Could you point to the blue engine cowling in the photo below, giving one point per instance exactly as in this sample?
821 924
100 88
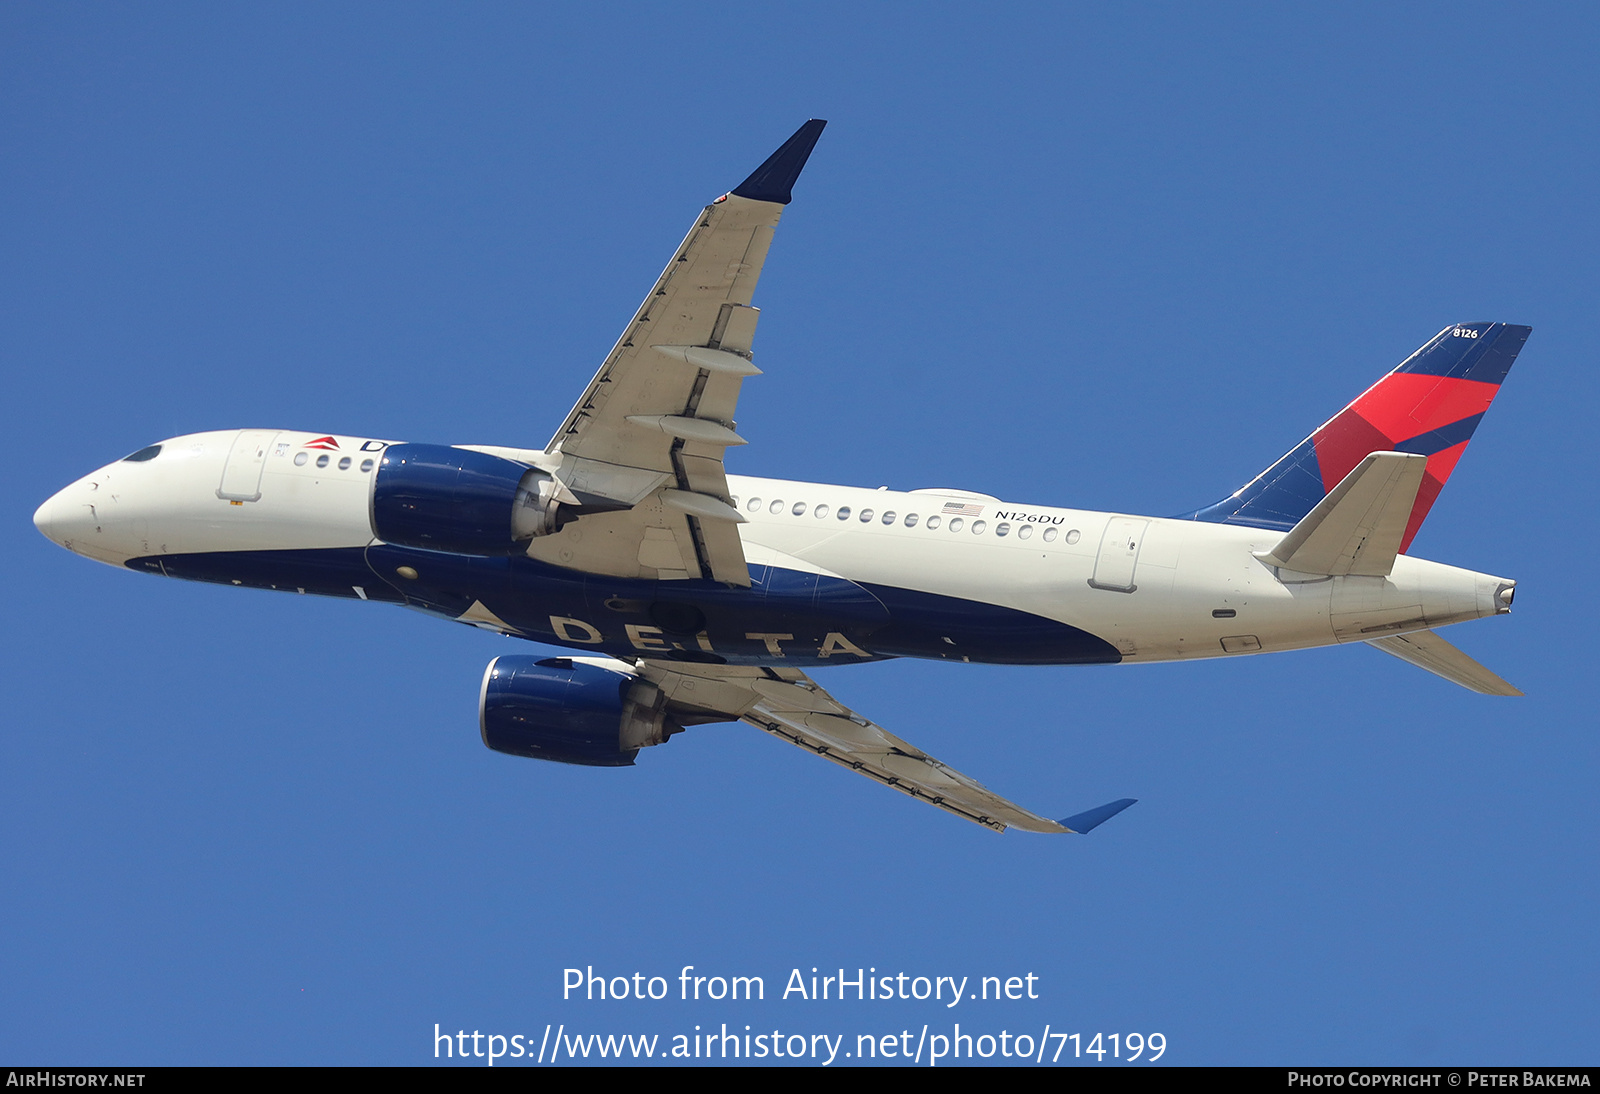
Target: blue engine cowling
569 711
453 499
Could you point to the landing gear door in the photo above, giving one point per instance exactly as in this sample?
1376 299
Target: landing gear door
241 475
1119 553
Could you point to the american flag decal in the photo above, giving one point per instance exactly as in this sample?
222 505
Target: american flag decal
961 509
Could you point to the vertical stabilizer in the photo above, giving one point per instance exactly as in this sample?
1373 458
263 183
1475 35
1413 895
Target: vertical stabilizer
1429 406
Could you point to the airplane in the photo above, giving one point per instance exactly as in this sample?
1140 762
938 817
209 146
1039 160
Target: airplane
687 595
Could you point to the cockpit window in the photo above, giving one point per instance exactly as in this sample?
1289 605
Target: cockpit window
149 452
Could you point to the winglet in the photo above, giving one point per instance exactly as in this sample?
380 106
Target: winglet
774 178
1094 818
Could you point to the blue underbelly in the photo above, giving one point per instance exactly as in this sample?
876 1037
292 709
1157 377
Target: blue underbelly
786 617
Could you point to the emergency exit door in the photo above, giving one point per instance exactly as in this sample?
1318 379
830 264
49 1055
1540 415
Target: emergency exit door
241 475
1119 555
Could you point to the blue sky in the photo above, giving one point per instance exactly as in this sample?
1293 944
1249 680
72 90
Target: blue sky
1109 257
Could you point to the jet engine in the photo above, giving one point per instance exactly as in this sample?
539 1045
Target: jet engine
589 710
454 499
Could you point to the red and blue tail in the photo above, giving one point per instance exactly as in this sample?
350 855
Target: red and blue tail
1429 405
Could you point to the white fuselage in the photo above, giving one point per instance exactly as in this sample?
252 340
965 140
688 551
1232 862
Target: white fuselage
1155 589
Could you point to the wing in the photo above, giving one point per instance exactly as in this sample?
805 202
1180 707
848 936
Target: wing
648 436
788 704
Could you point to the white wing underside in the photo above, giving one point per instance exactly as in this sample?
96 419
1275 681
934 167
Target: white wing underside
651 429
788 704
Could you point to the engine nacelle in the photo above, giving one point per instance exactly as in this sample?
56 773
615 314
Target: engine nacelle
571 710
453 499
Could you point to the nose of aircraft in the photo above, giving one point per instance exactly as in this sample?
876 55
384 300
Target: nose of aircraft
140 504
41 519
68 516
100 516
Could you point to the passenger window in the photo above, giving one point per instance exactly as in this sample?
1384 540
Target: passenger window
888 518
366 465
344 463
1072 536
933 521
300 459
1002 529
911 520
1049 534
755 505
978 526
799 509
322 460
844 512
776 506
866 515
1025 531
822 511
955 524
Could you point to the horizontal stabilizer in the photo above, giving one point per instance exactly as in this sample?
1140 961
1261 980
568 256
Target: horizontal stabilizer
1358 527
1427 650
1091 819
